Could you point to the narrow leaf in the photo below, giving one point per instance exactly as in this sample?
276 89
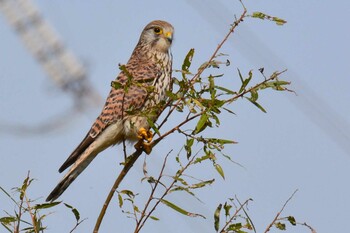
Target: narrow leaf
180 210
8 220
188 147
120 200
257 105
187 63
227 209
46 205
228 91
219 170
201 125
217 217
154 218
246 81
74 211
201 184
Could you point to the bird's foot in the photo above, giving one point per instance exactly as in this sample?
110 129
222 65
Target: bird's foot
145 146
144 143
144 134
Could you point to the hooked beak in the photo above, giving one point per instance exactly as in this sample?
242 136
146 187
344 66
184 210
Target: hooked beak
169 36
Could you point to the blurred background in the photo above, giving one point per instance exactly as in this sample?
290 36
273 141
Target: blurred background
58 59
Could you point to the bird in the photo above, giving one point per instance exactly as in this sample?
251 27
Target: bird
135 100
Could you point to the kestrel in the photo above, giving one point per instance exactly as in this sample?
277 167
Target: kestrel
134 100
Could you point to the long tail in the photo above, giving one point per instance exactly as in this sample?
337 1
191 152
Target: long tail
84 160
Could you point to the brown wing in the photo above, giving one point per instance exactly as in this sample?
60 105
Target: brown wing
118 103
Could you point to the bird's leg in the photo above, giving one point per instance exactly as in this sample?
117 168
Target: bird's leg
145 138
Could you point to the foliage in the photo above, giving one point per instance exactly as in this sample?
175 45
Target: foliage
201 101
29 212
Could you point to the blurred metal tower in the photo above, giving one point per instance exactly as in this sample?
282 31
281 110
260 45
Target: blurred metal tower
60 64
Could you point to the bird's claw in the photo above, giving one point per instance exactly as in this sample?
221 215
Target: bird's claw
145 146
144 134
144 143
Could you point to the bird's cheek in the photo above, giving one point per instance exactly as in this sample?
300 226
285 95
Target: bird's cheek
163 45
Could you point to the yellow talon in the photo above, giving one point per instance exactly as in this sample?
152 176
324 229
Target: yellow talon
145 135
145 146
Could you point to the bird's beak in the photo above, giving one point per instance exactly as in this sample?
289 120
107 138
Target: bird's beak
169 36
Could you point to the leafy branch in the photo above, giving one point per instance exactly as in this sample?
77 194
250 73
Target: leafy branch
29 213
201 101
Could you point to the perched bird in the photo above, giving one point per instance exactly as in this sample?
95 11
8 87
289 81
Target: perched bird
133 101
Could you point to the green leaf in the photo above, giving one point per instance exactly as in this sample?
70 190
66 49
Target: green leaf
46 205
116 85
292 221
200 159
217 217
263 16
201 184
74 211
120 200
24 187
246 81
280 226
187 63
153 126
8 195
240 75
180 188
154 218
180 210
128 192
259 15
8 220
229 111
202 123
279 21
227 209
257 105
188 147
235 227
212 89
254 95
171 95
219 170
228 91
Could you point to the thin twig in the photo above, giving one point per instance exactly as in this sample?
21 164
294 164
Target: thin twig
200 71
179 173
235 215
77 224
32 216
139 225
128 164
131 160
279 213
308 226
246 214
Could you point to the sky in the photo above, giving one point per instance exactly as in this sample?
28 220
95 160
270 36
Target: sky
302 142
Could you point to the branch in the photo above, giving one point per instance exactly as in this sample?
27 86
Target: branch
144 217
200 71
234 215
279 213
128 164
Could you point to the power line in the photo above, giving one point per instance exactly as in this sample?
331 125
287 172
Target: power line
60 64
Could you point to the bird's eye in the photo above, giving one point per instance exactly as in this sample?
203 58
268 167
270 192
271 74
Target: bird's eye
157 30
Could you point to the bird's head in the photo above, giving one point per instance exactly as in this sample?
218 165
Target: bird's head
158 34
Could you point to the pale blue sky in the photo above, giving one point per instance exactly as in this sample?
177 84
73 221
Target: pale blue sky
301 143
